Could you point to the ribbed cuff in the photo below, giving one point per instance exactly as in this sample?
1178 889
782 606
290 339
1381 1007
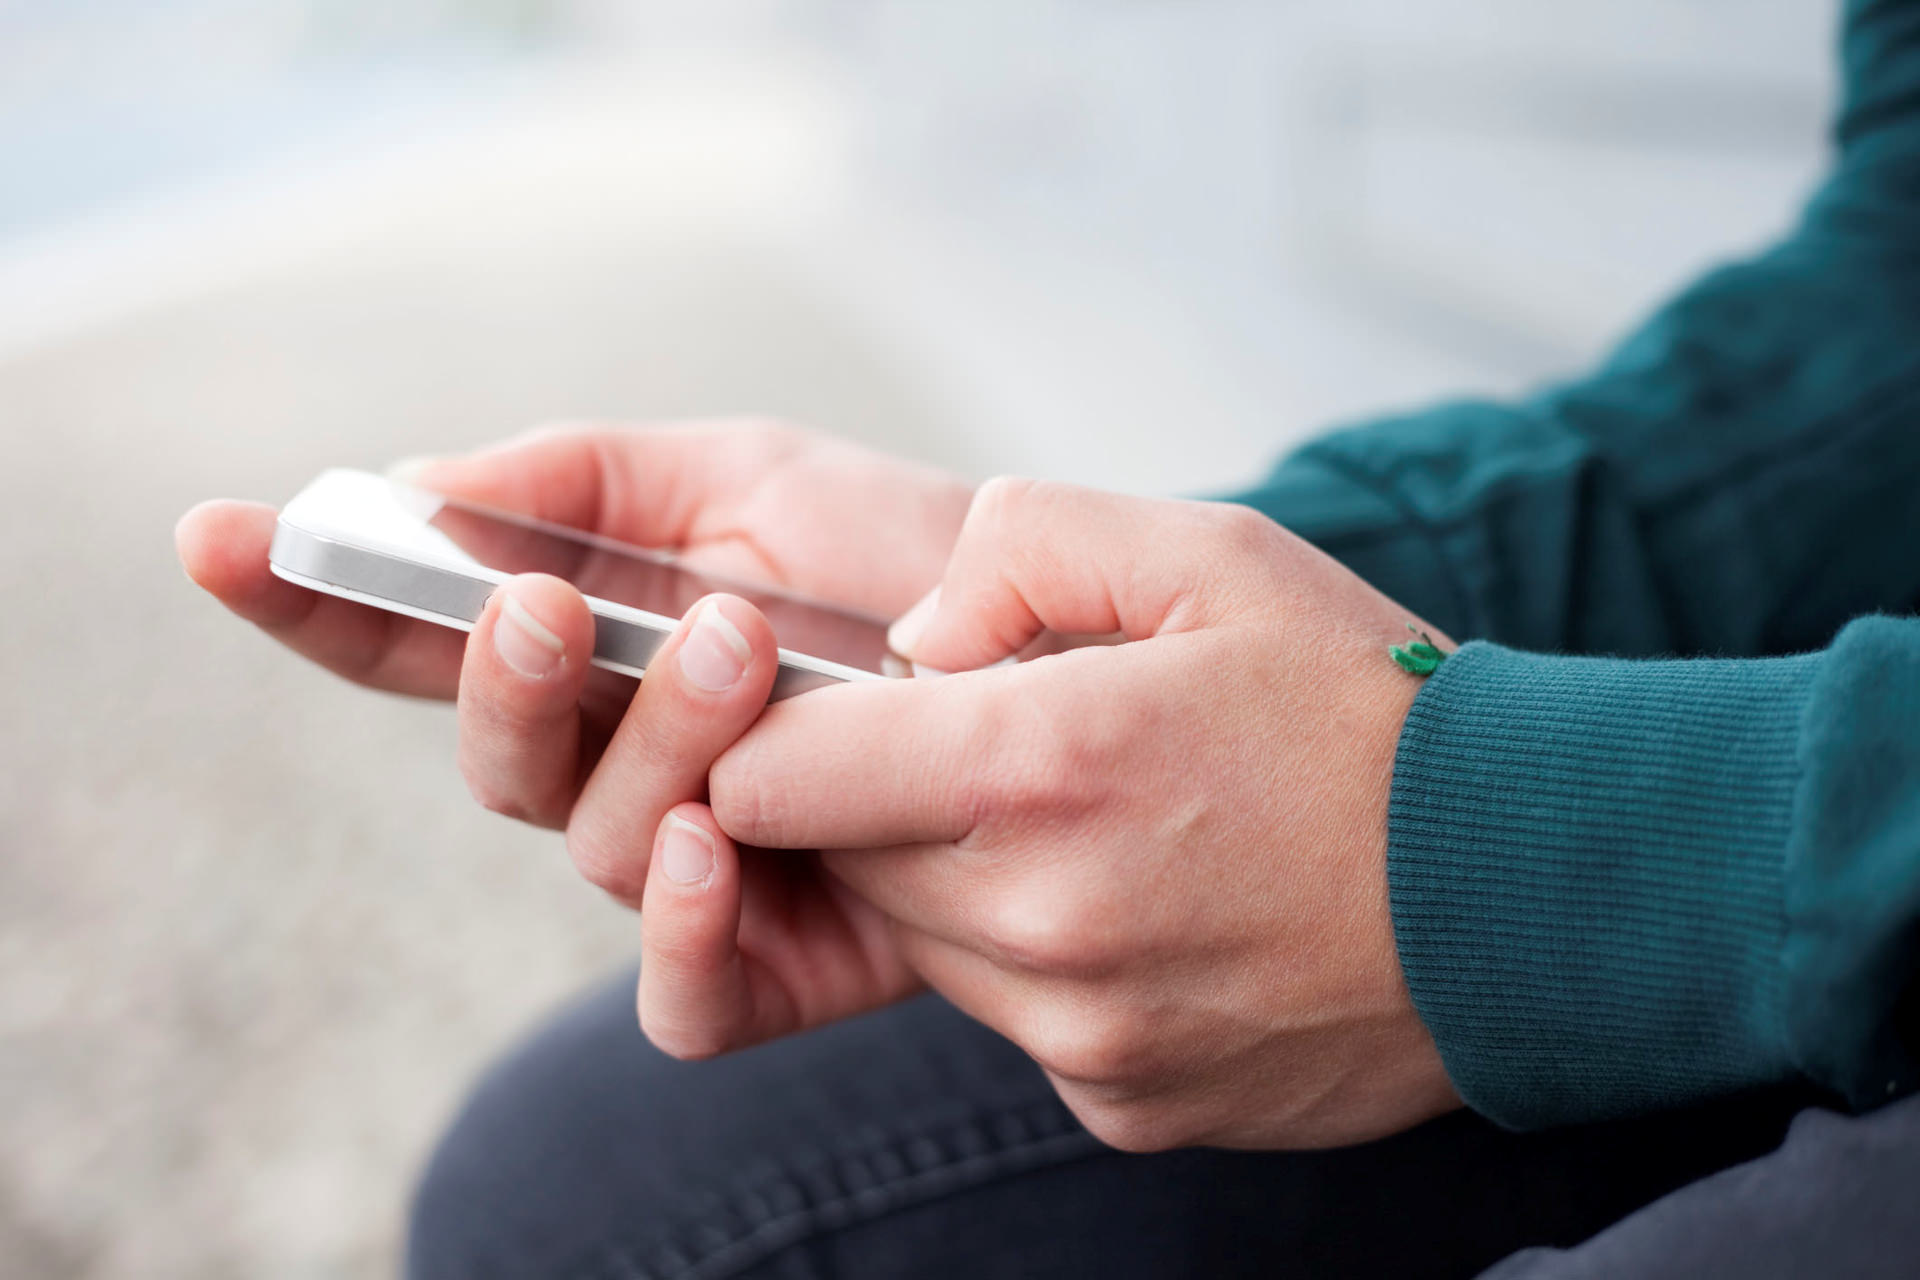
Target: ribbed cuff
1585 858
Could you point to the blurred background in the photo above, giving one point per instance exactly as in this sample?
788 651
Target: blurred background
254 940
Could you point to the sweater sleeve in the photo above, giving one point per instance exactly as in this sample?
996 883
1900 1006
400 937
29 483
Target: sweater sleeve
1737 478
1624 885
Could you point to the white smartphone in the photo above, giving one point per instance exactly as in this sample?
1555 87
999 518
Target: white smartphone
396 547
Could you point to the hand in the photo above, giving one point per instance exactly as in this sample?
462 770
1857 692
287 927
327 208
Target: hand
546 738
754 500
1157 866
751 500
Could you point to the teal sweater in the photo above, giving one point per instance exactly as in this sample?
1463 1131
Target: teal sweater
1630 882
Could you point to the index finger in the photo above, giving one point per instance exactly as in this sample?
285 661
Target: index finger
702 689
870 763
645 485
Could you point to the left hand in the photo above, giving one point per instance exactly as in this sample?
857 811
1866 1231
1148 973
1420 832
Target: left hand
1158 866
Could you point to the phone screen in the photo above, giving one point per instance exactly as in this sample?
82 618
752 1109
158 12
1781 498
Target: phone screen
656 582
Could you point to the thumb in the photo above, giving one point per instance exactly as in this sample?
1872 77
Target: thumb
1035 556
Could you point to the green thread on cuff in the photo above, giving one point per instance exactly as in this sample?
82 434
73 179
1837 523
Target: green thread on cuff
1419 658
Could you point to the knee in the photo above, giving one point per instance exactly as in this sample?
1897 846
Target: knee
447 1235
521 1183
463 1220
587 1150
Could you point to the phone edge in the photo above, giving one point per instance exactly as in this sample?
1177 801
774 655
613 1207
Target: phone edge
624 645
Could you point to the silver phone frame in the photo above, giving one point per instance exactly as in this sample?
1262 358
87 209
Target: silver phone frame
624 640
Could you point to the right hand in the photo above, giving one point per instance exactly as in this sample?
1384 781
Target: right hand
751 500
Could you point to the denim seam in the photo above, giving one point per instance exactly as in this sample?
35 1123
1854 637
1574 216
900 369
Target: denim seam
665 1260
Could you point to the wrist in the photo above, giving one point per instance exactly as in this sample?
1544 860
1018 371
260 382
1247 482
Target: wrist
1409 1076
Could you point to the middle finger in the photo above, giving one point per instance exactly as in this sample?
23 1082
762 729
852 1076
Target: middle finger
702 690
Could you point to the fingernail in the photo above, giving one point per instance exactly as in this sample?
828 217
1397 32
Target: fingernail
409 470
907 629
714 654
523 642
686 852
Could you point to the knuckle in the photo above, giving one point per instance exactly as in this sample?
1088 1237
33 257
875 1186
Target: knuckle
677 1039
1032 784
1124 1125
605 860
489 795
1048 767
1241 527
1091 1048
741 802
684 1048
1027 932
1061 934
998 492
673 952
495 795
1103 1048
1087 751
1247 539
997 499
988 735
678 950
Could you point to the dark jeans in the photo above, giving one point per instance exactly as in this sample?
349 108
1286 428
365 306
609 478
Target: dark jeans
914 1142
